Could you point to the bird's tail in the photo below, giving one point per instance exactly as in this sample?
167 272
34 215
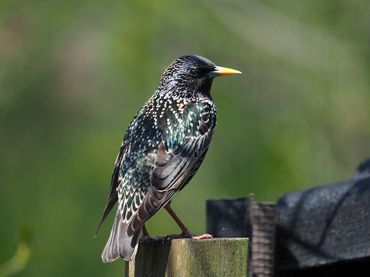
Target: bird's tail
120 244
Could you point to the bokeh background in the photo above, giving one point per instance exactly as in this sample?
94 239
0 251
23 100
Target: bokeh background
74 73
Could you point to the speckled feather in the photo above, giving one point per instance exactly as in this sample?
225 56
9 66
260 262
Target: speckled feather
162 149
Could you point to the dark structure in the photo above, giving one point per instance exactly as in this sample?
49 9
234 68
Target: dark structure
323 231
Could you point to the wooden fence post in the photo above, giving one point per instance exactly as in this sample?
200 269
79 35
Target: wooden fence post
188 257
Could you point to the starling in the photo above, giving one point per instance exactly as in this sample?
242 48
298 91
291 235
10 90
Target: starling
161 151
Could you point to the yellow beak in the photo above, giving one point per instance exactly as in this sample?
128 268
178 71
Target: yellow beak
222 71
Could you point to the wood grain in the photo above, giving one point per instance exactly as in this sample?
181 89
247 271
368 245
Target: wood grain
188 257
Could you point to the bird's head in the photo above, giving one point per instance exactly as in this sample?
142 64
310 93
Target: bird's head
192 74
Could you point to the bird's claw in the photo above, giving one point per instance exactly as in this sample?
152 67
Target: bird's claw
189 236
204 236
183 235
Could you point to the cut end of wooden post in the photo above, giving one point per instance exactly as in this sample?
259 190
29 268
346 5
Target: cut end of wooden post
189 257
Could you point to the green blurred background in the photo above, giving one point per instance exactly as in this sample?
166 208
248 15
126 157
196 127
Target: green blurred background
74 73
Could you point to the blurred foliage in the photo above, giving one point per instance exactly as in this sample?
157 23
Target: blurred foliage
73 74
21 256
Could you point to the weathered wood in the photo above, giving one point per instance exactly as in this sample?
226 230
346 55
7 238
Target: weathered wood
188 257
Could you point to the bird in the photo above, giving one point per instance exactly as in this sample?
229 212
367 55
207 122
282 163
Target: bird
161 151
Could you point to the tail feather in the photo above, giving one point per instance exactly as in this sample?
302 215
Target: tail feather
120 244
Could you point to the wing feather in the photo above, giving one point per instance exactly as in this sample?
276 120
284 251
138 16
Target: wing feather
113 197
172 170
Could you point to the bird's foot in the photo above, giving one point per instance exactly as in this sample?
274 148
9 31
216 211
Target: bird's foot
183 235
187 234
204 236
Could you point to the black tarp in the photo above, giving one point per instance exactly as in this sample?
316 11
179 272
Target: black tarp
322 231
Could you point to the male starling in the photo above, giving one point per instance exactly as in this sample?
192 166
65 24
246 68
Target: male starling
161 151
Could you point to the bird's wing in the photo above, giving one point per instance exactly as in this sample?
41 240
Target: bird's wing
172 169
113 197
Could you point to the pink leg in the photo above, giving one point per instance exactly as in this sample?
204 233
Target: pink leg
185 231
